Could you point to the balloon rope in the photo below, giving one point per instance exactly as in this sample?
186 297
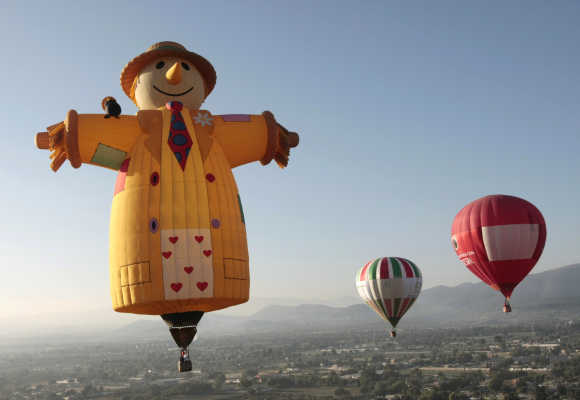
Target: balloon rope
506 305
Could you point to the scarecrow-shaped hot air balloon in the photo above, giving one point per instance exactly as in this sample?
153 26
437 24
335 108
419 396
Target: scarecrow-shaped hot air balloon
390 286
177 238
500 239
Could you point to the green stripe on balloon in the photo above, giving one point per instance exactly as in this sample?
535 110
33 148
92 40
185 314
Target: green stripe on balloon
394 321
378 299
397 304
371 279
396 269
380 304
373 269
409 304
404 306
415 269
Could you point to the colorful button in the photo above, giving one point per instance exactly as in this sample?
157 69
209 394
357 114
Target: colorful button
210 177
153 225
179 140
215 223
154 178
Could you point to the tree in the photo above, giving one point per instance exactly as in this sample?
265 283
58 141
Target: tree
381 388
341 392
511 396
333 379
495 383
250 373
88 390
219 380
366 387
541 393
245 382
561 389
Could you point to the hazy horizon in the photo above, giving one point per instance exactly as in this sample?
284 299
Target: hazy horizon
102 319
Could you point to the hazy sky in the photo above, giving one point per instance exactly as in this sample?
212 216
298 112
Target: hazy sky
406 111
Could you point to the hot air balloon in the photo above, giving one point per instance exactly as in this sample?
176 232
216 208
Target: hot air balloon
390 286
499 238
178 243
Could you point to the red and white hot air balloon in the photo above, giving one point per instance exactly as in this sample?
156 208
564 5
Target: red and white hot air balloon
390 286
499 238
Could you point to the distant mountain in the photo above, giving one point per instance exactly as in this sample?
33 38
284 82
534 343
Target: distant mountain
549 294
546 297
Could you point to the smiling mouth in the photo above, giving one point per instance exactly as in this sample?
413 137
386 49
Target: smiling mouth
171 94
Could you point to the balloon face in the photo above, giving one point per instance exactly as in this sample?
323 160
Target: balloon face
499 238
169 79
390 286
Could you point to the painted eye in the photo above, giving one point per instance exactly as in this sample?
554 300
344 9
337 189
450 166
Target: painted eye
185 66
454 244
160 65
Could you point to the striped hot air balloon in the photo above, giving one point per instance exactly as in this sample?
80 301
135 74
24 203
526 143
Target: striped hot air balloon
390 286
499 238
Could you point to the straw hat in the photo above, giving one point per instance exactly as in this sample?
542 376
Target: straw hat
167 49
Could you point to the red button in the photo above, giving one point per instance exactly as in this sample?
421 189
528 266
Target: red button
154 178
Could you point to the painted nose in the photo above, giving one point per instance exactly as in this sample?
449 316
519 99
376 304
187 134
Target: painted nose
173 74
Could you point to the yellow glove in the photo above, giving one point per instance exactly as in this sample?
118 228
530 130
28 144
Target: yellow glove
61 140
286 140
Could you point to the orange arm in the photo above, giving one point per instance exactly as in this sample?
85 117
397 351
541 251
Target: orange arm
248 138
90 139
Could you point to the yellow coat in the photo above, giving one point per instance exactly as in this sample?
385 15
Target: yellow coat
177 237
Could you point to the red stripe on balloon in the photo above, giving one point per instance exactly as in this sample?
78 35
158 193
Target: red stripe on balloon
408 269
384 268
389 308
363 273
403 307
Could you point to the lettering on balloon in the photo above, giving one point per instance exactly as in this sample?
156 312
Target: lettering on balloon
465 257
467 261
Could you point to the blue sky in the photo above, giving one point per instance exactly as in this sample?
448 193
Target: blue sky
406 111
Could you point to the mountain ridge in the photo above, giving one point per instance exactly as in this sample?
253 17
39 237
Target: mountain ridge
548 296
441 306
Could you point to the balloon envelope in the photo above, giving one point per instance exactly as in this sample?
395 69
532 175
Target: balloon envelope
499 238
390 286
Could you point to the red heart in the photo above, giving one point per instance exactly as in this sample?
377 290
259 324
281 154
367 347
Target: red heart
166 254
189 269
199 239
173 239
201 286
210 177
176 286
207 253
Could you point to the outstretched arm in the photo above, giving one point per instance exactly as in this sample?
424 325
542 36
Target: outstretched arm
248 138
90 139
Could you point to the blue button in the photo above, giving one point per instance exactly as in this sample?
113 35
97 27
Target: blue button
179 140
